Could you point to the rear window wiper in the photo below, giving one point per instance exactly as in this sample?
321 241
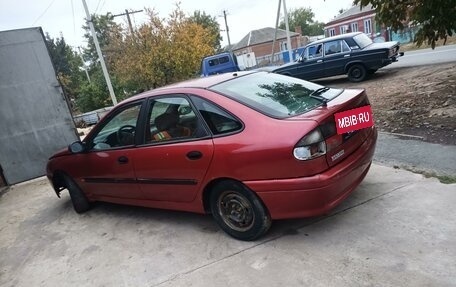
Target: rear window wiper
316 95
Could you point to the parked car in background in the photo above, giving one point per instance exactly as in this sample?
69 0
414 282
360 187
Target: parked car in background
90 118
247 147
219 64
354 54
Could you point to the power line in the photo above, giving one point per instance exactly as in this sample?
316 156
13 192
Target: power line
98 5
44 12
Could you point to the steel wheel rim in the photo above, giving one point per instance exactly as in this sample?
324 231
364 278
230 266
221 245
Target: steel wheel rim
356 73
236 211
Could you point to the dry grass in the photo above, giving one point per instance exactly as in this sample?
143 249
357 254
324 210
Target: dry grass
413 46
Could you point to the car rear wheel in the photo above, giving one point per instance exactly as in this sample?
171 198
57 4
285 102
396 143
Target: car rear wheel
80 202
357 73
238 211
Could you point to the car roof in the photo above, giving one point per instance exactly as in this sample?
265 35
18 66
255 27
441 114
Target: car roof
201 83
338 37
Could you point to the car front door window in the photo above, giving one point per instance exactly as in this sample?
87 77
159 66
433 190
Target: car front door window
119 131
314 51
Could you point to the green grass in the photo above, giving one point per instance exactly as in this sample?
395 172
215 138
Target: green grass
446 179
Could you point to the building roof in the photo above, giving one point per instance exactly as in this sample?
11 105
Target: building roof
353 11
264 35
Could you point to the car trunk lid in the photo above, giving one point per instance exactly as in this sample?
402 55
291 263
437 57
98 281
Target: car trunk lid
338 146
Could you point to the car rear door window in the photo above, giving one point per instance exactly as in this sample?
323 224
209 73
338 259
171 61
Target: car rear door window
218 120
171 118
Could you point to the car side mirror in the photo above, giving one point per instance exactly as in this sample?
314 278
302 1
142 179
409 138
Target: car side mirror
76 147
301 59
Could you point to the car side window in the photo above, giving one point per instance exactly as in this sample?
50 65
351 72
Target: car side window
333 47
118 131
171 118
218 120
314 51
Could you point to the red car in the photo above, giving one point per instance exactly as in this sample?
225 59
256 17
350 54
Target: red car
247 147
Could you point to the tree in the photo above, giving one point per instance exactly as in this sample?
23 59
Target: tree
105 29
163 51
304 18
95 95
436 19
210 23
67 65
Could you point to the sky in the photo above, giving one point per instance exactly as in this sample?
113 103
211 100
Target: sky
67 16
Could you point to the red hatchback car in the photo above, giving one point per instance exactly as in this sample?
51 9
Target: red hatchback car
247 147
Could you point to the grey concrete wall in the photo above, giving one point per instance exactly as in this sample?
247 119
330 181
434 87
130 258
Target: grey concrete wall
35 120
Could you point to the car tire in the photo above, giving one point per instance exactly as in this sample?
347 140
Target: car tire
372 71
238 211
357 73
80 202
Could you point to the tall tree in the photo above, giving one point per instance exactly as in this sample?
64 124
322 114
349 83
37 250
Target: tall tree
105 29
95 95
164 50
435 18
304 18
67 63
210 23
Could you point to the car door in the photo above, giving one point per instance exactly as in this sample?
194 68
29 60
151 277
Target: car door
171 167
337 55
311 65
107 168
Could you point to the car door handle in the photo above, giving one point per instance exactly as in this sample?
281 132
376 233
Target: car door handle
122 159
193 155
346 56
319 61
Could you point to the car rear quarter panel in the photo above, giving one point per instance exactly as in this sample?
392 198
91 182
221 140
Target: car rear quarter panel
263 149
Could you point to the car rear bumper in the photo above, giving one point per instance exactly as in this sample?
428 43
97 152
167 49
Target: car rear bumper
318 194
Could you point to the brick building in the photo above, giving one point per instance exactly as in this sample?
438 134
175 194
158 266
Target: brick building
258 43
355 19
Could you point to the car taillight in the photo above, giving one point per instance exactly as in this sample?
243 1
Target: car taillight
311 146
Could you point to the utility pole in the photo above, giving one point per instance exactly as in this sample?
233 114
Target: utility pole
275 32
285 14
100 55
227 30
127 13
84 65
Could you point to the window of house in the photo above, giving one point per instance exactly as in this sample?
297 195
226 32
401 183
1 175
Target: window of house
354 27
368 26
343 29
283 46
332 32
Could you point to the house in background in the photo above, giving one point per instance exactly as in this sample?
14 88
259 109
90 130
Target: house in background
257 44
355 19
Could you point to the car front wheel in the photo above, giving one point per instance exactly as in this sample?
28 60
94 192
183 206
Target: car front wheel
357 73
80 202
238 211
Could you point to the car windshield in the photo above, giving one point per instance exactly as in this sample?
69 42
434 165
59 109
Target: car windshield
362 40
274 95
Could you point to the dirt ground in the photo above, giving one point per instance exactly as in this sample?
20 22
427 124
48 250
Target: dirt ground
418 101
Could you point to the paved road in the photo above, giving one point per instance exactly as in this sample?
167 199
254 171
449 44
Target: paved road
443 54
415 154
396 229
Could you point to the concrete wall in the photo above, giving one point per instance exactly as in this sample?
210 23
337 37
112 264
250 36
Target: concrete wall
35 120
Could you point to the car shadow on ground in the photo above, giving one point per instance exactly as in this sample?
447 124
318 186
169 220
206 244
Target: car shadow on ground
123 214
343 80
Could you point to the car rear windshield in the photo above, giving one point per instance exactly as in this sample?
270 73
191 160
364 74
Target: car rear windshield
362 40
274 95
